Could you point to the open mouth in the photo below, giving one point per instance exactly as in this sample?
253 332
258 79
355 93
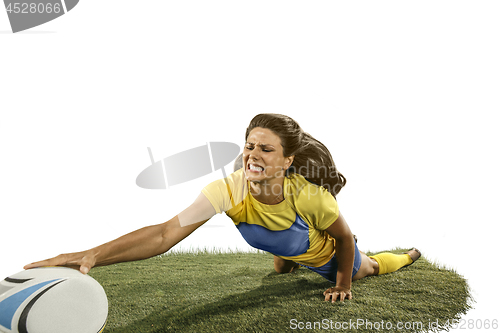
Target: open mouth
255 168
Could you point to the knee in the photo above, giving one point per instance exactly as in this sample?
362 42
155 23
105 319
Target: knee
374 266
279 269
282 266
286 269
369 267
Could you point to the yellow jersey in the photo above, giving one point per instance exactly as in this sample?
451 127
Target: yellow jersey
293 229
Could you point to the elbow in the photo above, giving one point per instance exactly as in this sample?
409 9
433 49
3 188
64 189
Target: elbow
167 234
172 232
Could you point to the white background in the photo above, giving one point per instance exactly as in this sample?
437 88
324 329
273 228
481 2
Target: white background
405 95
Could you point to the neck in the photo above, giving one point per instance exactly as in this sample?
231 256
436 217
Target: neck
268 192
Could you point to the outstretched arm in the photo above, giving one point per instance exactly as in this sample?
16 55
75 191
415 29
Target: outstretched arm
140 244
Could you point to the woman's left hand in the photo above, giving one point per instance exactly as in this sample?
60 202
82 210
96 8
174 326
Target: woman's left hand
340 292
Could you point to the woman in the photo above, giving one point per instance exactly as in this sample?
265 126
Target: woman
282 200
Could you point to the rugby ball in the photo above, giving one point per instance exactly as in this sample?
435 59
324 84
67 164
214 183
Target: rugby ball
52 300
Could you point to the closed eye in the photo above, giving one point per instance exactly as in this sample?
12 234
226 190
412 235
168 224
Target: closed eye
265 148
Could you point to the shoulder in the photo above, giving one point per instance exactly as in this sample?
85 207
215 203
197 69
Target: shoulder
224 193
300 189
234 180
312 201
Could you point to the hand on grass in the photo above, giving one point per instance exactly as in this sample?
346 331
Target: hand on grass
82 261
340 292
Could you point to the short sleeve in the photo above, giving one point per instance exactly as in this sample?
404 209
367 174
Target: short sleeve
225 193
318 206
328 211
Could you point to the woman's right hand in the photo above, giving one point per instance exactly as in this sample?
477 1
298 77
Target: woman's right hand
82 261
141 244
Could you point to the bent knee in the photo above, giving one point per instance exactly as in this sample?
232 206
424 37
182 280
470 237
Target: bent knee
284 270
279 270
282 266
369 267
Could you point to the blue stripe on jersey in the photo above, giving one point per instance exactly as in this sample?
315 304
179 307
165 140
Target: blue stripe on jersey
288 243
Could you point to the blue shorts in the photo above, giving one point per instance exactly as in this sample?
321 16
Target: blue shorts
329 270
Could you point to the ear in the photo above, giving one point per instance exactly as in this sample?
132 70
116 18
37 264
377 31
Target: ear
288 162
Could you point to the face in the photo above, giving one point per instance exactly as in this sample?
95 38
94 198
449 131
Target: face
263 157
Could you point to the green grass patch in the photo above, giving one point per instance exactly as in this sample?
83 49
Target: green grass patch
240 292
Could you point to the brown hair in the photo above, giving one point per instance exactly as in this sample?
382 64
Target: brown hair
312 159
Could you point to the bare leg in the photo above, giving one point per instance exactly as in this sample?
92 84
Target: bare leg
284 266
369 267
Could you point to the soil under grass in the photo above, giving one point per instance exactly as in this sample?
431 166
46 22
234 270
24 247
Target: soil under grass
240 292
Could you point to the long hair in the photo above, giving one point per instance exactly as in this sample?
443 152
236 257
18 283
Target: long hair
312 159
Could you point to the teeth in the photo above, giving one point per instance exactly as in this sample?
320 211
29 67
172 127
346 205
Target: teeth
256 168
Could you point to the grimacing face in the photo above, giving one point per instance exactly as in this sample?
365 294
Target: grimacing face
263 157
